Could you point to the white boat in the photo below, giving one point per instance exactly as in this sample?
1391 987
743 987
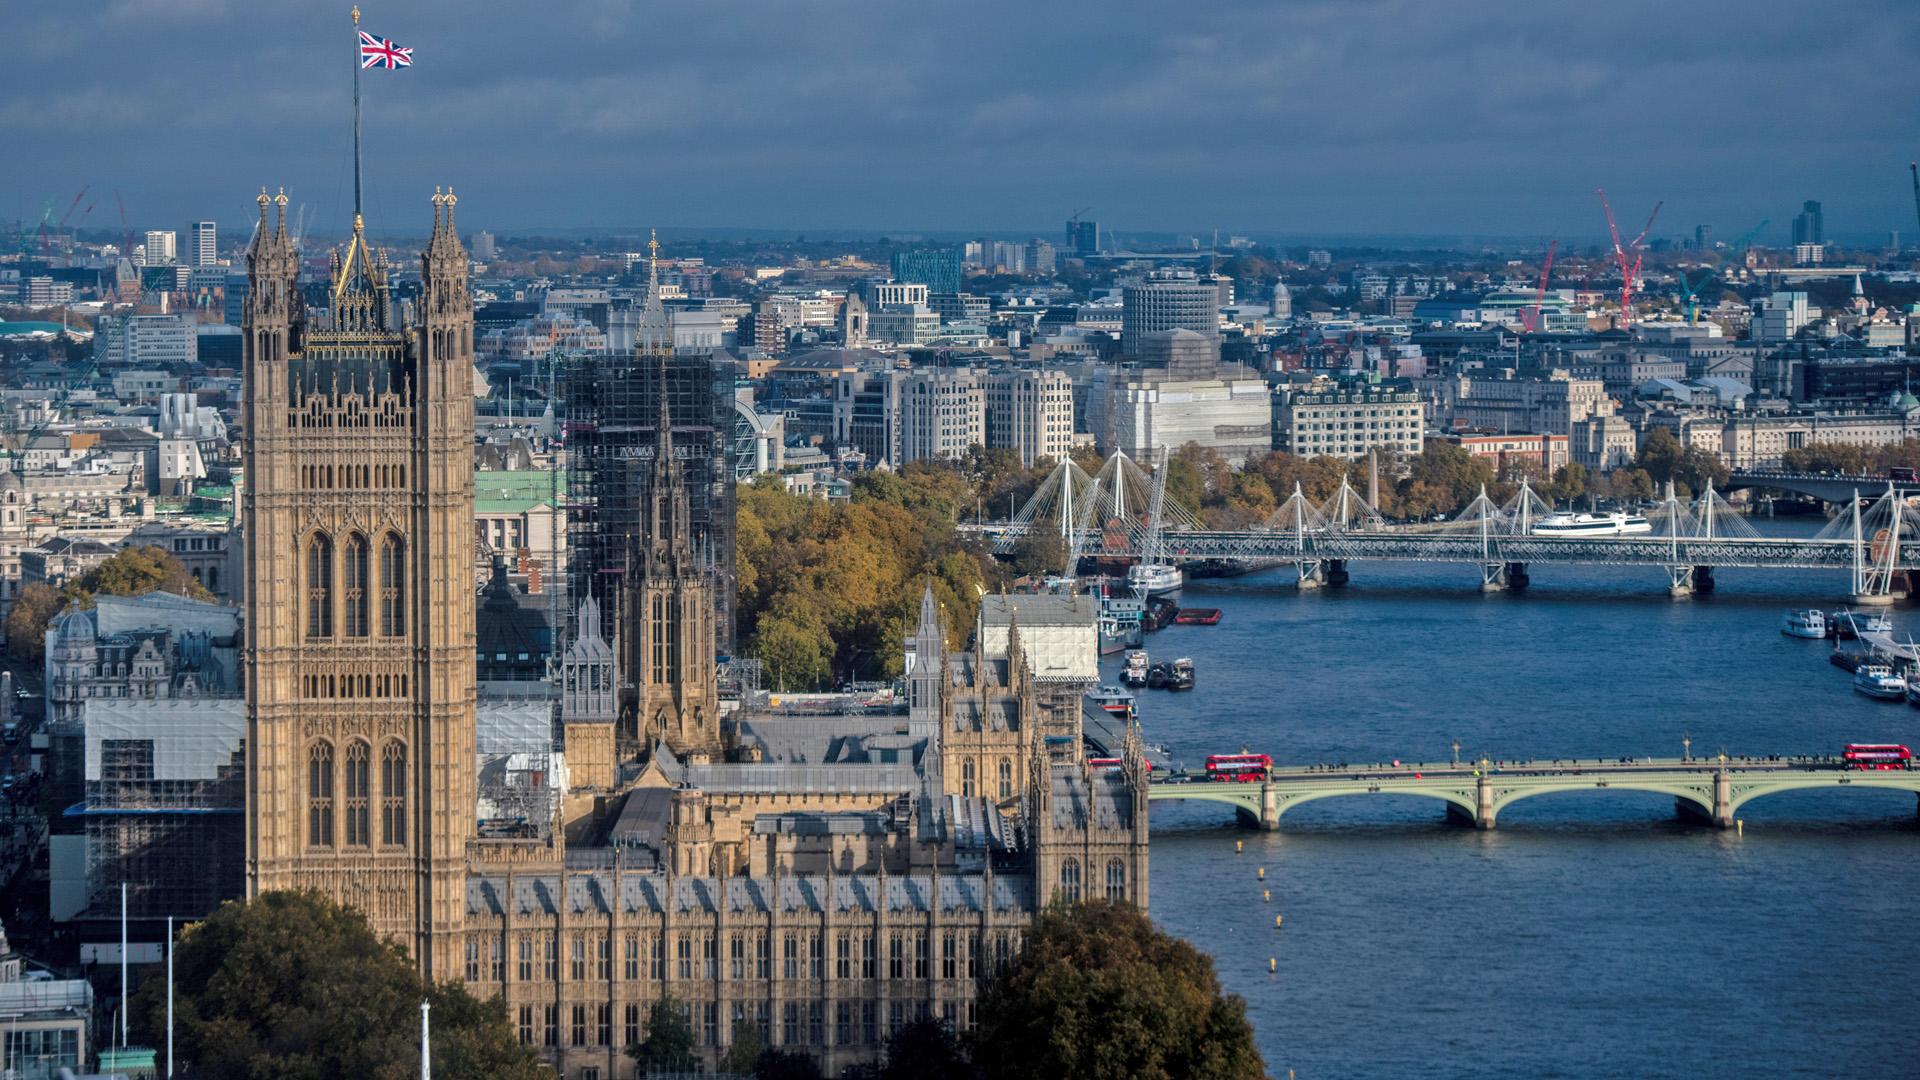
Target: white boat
1135 673
1152 579
1853 624
1808 623
1613 523
1878 681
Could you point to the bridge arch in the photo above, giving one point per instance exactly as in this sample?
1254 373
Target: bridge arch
1741 792
1698 795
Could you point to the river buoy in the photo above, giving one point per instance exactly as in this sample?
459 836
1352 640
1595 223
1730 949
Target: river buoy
1239 846
1263 873
1272 964
1276 922
1267 895
1740 827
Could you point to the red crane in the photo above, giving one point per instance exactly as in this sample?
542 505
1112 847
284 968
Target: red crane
1532 322
1627 255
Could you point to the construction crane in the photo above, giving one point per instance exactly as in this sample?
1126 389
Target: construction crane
1532 322
1690 290
1627 255
68 217
126 230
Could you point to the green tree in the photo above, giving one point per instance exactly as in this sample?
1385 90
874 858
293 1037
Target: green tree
1102 994
33 609
668 1046
1659 455
1629 485
785 1065
1570 482
293 985
1452 469
743 1051
926 1050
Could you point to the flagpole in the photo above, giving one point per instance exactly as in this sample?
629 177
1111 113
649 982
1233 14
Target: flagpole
426 1060
169 995
356 112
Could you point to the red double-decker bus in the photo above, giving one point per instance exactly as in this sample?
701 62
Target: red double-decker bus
1238 768
1877 756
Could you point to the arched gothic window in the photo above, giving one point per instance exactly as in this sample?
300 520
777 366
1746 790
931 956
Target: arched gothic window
1006 778
357 588
393 794
1070 880
1116 880
319 586
320 794
393 585
966 779
359 780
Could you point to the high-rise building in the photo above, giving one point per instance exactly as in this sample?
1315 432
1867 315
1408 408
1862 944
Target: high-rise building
1168 300
1083 237
206 248
360 586
1042 258
936 268
483 246
160 247
1703 238
1030 411
1809 226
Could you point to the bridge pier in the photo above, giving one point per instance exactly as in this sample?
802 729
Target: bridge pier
1501 576
1722 800
1483 812
1703 579
1315 573
1680 581
1269 820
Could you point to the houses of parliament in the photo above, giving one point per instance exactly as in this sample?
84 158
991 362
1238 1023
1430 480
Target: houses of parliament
824 879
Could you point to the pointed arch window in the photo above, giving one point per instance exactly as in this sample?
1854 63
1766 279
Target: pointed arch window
1116 880
319 586
357 588
966 778
393 585
393 794
1006 778
320 794
1070 880
359 781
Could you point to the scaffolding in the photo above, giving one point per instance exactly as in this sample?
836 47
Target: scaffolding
612 409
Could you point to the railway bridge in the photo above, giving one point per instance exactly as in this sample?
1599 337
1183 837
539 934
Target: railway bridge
1711 791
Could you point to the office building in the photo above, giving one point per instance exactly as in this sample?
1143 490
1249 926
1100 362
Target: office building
1347 421
1030 411
160 247
885 294
1168 300
1809 226
482 246
1083 237
206 247
1140 411
1778 317
936 268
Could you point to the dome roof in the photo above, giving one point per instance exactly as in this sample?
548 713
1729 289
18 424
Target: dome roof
73 624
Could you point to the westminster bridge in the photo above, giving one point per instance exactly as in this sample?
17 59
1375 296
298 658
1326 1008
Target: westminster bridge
1709 790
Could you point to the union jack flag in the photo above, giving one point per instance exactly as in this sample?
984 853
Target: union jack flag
379 52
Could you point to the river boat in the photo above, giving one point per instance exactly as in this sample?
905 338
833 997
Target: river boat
1878 681
1135 673
1612 523
1160 613
1155 579
1117 700
1197 616
1121 616
1853 624
1807 623
1180 675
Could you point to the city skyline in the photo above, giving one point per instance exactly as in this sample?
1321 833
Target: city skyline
1302 120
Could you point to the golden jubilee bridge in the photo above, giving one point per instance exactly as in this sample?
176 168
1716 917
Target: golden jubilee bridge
1123 512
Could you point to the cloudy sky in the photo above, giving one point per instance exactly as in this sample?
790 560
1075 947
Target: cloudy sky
1440 118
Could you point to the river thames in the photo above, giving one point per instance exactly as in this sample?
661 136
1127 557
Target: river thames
1592 934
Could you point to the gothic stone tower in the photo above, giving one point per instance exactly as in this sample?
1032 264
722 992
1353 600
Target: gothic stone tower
360 586
670 611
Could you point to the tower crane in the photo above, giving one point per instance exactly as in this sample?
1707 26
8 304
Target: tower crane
1914 168
1627 255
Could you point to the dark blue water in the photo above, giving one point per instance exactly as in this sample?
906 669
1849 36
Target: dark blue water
1593 934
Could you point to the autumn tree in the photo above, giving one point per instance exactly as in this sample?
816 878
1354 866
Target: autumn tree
33 609
294 985
1102 994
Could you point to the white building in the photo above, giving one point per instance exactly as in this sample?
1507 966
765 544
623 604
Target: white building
1030 411
206 247
1141 411
160 247
1347 421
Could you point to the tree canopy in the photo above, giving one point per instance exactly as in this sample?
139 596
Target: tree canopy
668 1046
293 986
1102 994
129 572
1858 459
